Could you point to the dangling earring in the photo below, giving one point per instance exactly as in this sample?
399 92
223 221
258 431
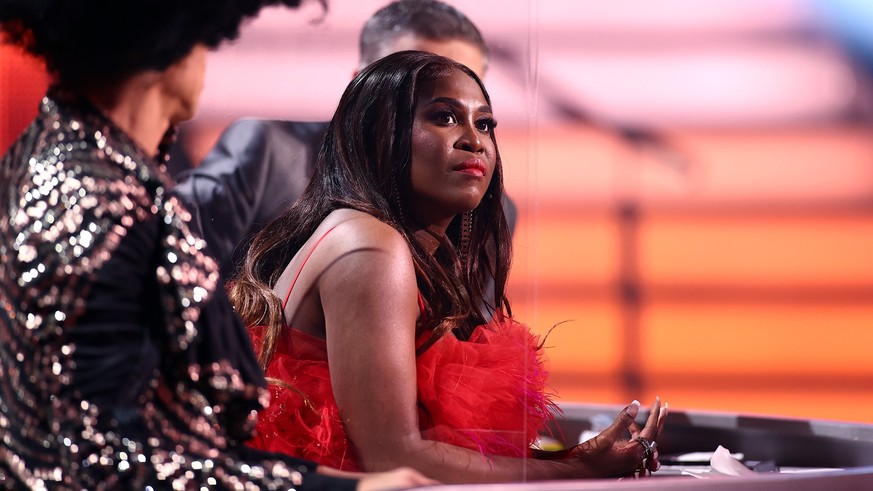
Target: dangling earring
397 199
466 232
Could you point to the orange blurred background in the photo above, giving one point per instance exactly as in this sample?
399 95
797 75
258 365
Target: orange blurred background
728 305
694 183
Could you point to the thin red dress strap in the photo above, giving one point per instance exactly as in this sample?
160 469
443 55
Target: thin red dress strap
421 304
288 295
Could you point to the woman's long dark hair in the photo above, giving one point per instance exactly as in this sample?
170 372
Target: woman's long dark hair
364 161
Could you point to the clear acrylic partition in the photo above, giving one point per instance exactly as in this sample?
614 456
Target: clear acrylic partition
694 183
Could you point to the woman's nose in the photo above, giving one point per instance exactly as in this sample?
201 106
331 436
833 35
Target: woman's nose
471 139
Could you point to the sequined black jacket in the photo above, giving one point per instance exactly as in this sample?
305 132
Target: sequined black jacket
122 364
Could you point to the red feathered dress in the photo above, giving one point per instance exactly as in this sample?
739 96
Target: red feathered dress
487 394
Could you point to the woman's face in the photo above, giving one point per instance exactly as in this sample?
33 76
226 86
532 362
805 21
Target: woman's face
183 83
453 154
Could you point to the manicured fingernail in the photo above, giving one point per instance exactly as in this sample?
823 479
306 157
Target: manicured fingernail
634 408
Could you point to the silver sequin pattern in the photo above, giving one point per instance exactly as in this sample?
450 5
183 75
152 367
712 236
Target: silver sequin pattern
70 189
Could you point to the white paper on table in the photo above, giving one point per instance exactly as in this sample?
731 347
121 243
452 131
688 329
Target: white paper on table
698 457
723 463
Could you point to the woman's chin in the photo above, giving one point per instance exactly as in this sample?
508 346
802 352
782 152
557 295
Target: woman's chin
184 113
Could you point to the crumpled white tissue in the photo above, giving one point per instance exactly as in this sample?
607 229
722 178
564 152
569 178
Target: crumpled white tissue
721 464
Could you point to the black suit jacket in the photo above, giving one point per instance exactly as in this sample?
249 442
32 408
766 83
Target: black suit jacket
253 174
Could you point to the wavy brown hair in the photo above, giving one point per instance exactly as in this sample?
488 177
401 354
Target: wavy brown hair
363 162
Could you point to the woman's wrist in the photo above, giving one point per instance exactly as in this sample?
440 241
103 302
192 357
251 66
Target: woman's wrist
551 465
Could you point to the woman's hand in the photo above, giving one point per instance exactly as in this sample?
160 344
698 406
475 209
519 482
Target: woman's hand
623 449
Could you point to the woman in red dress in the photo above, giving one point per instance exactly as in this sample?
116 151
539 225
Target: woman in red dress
372 317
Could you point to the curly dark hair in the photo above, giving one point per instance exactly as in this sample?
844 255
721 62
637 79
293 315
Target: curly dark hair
88 43
366 151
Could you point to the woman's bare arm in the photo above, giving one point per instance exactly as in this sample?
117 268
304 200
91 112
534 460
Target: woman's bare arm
369 296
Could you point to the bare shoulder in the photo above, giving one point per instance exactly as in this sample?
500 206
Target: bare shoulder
348 242
356 230
368 275
367 249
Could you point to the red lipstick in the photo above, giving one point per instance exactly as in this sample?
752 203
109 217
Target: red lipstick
473 167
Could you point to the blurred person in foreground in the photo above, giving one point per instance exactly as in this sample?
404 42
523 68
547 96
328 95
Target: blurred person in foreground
258 168
122 363
365 299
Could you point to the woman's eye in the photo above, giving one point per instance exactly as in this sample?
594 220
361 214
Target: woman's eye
486 125
446 118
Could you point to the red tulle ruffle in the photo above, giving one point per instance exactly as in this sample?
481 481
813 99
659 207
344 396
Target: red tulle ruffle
303 419
486 394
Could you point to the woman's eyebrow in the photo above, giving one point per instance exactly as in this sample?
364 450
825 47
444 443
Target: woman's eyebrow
456 103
